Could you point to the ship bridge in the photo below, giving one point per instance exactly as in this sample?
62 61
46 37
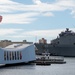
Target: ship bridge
67 32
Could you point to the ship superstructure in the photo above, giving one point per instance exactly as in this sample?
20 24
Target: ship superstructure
65 38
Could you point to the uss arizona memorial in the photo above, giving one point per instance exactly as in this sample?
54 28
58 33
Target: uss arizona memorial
17 53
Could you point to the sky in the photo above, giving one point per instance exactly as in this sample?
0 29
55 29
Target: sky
32 20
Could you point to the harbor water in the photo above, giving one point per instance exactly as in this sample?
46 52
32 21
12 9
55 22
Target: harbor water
32 69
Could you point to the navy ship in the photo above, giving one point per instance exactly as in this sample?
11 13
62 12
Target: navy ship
63 45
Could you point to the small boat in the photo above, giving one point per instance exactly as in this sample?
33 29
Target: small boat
43 59
43 63
46 59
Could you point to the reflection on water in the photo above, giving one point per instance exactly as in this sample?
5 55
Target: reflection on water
32 69
18 66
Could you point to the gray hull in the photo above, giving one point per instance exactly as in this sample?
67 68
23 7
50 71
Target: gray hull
59 50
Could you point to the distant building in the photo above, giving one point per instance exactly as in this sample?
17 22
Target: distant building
4 43
44 41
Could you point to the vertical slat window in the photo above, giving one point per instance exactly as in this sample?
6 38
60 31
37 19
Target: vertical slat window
4 55
15 55
12 55
20 55
7 56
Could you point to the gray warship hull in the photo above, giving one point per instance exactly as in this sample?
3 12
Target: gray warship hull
63 45
58 50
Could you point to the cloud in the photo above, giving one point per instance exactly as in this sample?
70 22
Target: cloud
7 6
34 35
58 5
38 6
11 10
23 18
48 6
42 33
37 1
39 33
67 4
48 14
6 32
